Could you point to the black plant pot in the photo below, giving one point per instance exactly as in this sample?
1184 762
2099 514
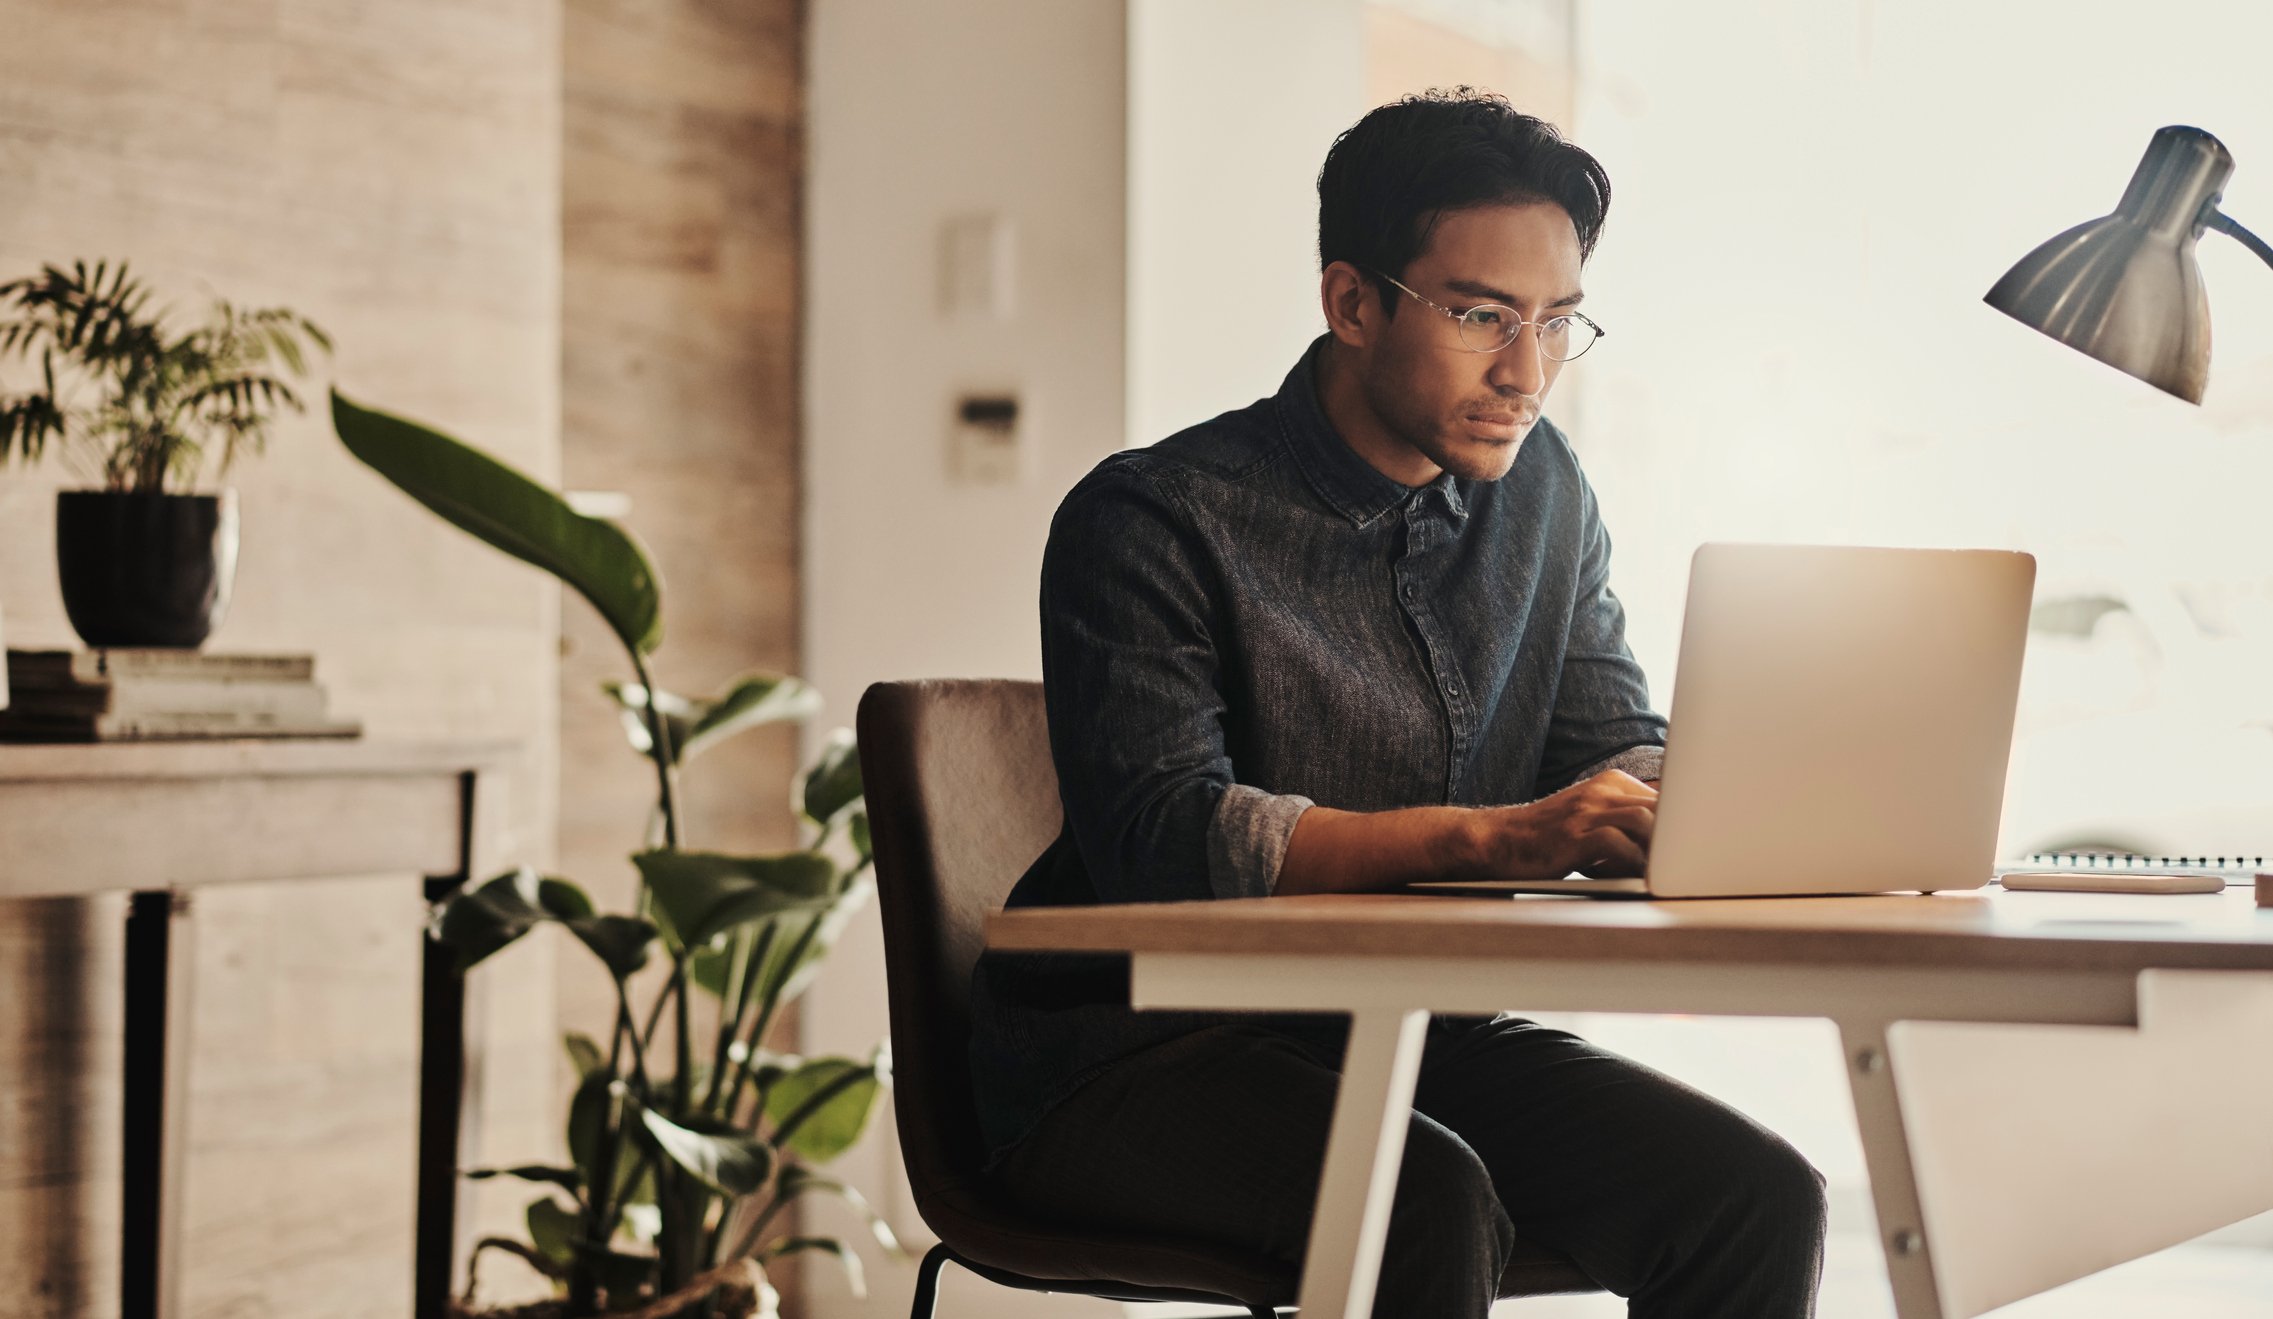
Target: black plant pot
145 569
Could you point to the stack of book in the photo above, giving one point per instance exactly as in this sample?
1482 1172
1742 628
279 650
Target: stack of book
140 695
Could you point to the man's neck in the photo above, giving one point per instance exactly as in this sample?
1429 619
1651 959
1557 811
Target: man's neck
1341 394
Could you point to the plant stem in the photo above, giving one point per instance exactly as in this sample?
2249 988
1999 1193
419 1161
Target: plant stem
583 1283
663 1000
757 1228
683 1083
728 1031
770 1006
659 750
623 1027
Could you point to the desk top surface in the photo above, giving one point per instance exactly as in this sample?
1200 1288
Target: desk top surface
249 757
1988 928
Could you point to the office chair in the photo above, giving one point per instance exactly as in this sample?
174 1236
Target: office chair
962 796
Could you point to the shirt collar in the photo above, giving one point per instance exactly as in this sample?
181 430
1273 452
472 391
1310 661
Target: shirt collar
1349 484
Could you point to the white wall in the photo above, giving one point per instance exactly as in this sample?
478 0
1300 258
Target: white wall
918 113
1231 109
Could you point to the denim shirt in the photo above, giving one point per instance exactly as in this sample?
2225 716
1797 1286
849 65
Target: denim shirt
1247 618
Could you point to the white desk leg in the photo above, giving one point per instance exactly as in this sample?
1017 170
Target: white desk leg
1363 1153
1893 1181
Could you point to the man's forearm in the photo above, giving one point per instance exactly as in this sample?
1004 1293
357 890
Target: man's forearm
1354 852
1600 825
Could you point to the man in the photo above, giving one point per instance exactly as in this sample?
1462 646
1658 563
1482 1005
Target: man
1358 634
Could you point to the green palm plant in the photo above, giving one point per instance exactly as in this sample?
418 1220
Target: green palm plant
162 402
682 1155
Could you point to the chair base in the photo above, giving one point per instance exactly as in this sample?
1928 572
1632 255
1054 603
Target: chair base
927 1287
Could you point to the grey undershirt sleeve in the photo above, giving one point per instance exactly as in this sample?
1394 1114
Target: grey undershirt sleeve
1645 763
1247 840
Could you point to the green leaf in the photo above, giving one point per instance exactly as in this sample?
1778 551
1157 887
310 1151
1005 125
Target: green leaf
490 500
833 782
707 967
583 1054
793 960
474 923
567 1178
587 1119
703 894
857 827
553 1228
828 1100
622 942
477 922
562 900
749 701
720 1155
827 1245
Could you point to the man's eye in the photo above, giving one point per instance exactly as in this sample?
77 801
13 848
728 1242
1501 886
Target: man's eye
1490 317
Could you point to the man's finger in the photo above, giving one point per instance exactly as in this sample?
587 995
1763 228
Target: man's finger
1611 853
1636 822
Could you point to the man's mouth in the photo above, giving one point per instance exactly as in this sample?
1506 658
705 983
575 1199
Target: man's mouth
1501 425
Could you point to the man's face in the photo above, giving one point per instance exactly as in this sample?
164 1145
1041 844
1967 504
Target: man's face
1468 412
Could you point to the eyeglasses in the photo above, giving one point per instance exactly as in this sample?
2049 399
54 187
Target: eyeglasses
1491 327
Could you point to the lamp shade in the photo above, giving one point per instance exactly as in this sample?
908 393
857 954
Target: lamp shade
2125 288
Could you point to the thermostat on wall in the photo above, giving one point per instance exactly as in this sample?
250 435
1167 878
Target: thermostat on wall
988 444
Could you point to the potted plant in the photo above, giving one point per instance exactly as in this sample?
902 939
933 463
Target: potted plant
144 411
683 1150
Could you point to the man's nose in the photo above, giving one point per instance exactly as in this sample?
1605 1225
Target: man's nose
1520 366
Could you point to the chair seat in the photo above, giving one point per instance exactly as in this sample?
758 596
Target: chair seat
989 1237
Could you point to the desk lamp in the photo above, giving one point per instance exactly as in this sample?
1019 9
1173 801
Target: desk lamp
2125 289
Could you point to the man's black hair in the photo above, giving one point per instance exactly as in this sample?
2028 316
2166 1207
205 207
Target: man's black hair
1393 173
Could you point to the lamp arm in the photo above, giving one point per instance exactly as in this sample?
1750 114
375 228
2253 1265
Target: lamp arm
2226 224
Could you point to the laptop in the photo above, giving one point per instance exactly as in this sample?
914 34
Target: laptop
1841 724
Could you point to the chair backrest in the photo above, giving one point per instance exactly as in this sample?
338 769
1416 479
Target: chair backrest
962 797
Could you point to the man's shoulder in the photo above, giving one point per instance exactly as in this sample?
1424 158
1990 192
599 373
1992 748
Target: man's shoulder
1233 448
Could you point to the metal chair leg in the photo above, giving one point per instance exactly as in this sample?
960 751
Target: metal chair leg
927 1282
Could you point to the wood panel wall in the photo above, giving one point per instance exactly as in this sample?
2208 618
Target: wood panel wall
391 168
683 130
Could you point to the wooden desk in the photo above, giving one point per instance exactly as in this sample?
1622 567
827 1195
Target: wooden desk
160 819
2046 1084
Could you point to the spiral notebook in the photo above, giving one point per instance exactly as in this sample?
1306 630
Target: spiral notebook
2106 871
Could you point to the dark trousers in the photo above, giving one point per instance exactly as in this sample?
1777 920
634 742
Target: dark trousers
1660 1193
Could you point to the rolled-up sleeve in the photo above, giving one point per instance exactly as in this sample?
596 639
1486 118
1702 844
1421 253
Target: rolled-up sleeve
1133 682
1602 717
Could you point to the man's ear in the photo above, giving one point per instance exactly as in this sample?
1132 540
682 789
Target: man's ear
1353 309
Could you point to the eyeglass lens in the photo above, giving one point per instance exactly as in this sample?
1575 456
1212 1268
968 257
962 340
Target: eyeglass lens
1488 329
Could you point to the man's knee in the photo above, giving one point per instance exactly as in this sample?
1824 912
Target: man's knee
1780 1194
1447 1215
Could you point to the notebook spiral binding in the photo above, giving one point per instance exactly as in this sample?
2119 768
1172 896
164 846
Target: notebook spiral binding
2122 861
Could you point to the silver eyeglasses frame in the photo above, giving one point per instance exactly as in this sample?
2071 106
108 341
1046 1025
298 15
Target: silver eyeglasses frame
1515 324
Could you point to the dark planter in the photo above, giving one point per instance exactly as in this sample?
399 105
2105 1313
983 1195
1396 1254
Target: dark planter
145 569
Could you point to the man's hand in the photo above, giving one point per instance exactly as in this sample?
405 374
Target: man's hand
1600 826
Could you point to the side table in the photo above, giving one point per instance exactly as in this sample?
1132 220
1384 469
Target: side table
160 820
